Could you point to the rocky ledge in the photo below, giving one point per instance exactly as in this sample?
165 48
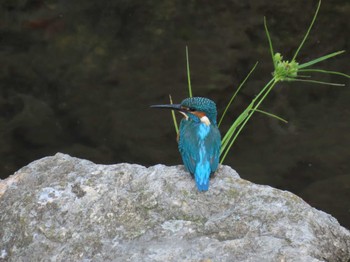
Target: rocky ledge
62 208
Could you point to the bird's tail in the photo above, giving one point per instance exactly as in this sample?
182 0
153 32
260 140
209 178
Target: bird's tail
202 175
202 187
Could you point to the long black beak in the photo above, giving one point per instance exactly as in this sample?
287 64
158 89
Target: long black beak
171 106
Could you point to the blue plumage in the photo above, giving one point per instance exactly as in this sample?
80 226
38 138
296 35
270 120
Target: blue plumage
199 138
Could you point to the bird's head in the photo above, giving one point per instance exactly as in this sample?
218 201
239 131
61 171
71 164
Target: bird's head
197 109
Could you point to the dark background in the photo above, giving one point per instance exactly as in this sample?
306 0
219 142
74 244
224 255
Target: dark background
78 77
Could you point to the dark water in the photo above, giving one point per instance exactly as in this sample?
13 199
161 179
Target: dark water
78 76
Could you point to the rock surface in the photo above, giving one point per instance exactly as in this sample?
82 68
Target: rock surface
68 209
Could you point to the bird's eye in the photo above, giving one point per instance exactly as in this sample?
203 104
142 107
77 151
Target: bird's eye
191 109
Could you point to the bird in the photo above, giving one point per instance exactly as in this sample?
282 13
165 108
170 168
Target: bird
199 138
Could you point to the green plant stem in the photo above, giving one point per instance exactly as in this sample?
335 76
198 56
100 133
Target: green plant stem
264 92
239 120
188 74
235 94
271 115
174 117
315 82
320 59
308 31
270 42
324 71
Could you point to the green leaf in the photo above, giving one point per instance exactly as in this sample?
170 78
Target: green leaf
242 120
320 59
271 115
324 71
307 32
234 125
188 74
270 42
173 115
229 134
315 82
235 94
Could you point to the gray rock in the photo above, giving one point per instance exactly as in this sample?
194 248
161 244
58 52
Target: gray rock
62 208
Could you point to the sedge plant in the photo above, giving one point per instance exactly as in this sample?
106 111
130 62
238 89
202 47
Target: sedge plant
284 70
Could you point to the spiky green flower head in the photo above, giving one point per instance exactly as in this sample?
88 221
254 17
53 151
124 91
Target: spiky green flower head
198 105
284 70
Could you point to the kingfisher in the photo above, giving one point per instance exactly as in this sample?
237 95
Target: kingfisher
199 138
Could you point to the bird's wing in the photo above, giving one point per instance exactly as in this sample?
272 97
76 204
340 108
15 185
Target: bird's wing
213 144
188 146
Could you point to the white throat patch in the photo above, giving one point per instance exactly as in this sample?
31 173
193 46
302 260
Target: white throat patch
205 120
186 116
